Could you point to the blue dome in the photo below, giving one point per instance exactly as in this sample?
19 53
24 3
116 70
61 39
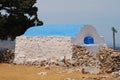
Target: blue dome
70 30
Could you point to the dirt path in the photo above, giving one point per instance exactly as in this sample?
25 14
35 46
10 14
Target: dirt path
24 72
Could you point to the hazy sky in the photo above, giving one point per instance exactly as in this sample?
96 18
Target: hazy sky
102 14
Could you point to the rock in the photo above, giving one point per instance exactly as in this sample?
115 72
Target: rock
21 59
69 79
79 69
42 73
47 67
43 63
116 74
7 56
69 70
91 70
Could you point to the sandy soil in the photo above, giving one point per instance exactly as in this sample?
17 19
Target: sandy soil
26 72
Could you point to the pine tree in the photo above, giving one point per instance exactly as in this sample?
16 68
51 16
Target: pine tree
16 16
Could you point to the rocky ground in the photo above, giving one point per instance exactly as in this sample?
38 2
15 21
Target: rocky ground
106 61
28 72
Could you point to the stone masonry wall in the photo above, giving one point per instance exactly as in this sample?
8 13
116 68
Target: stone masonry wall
31 49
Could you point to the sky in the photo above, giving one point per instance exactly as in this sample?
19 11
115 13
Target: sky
102 14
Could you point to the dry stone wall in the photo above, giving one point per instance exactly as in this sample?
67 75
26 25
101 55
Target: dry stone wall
31 49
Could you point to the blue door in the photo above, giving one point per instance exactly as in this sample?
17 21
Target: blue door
88 40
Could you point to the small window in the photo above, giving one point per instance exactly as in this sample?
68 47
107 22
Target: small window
88 40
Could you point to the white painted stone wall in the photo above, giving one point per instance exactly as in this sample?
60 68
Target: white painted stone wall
30 49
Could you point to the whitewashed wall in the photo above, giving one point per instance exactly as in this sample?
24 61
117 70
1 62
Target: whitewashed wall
29 49
88 30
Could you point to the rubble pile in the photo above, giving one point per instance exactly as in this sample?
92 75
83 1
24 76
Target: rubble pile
109 60
82 58
7 56
106 60
80 55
